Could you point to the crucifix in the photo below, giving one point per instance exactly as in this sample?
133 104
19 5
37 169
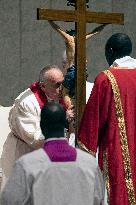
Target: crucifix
80 16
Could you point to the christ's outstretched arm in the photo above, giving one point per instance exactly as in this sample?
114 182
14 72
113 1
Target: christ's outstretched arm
70 41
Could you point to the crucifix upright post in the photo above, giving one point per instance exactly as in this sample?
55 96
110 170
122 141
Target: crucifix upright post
80 16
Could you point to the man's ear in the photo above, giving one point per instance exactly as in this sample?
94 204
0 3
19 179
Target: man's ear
111 51
44 84
41 85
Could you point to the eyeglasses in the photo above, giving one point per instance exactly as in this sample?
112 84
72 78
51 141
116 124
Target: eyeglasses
54 84
58 84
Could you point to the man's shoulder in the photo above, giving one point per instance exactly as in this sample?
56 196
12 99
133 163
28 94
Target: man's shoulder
86 158
32 159
101 76
25 95
101 79
26 100
85 154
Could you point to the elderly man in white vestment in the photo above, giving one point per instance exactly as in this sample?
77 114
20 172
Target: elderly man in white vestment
24 117
57 173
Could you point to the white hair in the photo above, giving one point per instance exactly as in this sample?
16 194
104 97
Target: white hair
42 76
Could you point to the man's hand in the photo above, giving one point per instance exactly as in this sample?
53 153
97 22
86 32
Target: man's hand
70 113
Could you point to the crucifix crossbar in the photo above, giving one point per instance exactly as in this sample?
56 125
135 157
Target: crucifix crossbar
80 16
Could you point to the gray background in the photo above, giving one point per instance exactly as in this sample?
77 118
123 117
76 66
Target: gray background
27 45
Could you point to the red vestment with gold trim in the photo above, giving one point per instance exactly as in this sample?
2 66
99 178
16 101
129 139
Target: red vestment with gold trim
99 128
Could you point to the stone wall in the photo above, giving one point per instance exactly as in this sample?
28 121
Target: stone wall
27 45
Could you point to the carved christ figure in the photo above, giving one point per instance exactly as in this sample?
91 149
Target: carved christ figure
70 41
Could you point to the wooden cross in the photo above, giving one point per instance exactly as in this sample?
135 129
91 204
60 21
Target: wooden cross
80 16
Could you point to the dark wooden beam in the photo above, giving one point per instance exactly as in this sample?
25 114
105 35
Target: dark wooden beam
102 17
69 16
56 15
80 60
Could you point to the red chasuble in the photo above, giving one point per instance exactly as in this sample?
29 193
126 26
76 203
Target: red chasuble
40 95
105 125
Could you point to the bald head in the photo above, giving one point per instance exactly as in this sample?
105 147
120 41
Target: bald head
48 71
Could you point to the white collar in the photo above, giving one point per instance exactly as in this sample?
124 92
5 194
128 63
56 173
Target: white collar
126 61
55 138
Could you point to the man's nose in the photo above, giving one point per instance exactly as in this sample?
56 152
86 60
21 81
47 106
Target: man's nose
61 87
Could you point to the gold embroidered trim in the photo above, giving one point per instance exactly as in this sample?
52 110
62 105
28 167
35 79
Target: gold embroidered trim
106 175
83 147
123 138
